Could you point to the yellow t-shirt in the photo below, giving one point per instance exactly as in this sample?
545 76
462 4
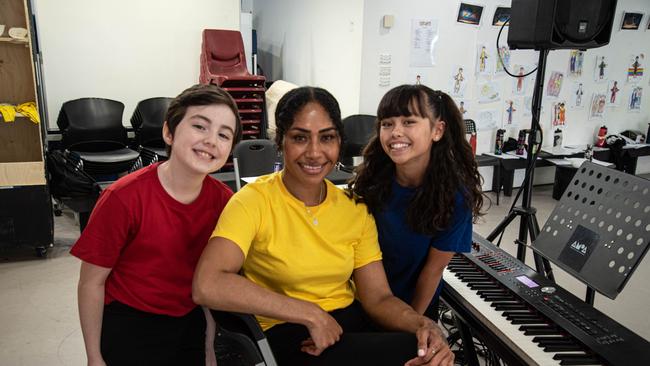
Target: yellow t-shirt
307 253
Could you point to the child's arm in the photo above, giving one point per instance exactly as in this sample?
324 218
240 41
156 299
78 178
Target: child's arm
429 279
90 293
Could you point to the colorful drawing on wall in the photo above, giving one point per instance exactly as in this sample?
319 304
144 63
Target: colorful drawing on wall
528 106
469 14
635 68
488 92
576 60
559 114
458 81
486 120
554 85
520 82
597 107
577 93
613 90
501 16
634 105
601 71
502 60
483 58
463 107
631 21
511 113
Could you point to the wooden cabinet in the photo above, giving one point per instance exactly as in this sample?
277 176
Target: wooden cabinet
25 203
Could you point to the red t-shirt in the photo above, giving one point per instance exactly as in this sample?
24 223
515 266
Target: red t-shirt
151 241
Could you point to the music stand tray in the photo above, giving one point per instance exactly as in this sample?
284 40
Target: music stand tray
600 230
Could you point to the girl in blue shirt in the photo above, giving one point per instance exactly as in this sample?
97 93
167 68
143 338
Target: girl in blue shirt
420 180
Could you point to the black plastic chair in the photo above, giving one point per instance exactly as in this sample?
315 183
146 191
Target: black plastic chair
92 129
252 158
240 341
358 128
147 121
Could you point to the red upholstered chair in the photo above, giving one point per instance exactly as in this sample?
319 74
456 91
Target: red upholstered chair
223 61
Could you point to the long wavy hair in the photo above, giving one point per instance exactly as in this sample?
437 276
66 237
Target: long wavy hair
452 167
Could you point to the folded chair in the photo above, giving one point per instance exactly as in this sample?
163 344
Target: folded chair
223 61
240 341
252 158
147 121
92 130
358 128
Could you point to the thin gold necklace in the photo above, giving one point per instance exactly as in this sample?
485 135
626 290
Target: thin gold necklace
314 220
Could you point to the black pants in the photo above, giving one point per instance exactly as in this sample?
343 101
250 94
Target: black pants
360 344
134 337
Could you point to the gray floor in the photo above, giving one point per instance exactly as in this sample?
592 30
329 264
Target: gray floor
38 311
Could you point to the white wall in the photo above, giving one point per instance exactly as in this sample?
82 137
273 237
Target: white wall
316 42
127 50
457 45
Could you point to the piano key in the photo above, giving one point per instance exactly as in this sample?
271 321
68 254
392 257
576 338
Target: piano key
576 359
520 343
511 307
533 330
562 347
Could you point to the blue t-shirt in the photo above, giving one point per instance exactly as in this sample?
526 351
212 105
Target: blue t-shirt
405 251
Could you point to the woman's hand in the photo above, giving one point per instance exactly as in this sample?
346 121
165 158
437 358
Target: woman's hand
432 348
324 332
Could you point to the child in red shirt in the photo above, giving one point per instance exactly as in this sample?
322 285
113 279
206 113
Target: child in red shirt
145 236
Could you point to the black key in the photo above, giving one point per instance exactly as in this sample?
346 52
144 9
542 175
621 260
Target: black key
511 307
576 359
533 330
546 341
527 321
562 348
505 302
481 286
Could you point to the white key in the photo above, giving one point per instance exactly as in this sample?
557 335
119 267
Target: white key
521 344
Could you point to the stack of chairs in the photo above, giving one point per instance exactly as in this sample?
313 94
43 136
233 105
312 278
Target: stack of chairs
223 63
92 131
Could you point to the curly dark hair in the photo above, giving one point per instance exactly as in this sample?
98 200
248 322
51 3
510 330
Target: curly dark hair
294 100
452 167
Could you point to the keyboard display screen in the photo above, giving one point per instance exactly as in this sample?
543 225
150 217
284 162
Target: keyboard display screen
527 281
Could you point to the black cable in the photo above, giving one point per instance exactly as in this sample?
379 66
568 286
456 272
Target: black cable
501 59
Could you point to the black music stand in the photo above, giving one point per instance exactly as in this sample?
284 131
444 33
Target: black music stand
600 229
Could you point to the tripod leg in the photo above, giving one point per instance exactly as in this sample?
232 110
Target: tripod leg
522 239
502 226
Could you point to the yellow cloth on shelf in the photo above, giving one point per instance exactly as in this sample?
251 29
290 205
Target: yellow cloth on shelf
8 113
29 110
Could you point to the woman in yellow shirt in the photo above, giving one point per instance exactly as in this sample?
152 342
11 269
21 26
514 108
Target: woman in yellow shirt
306 251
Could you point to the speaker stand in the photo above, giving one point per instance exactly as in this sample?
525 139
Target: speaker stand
528 224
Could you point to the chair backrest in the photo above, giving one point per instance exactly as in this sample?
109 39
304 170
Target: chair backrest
147 120
252 158
242 334
92 124
358 129
470 126
223 51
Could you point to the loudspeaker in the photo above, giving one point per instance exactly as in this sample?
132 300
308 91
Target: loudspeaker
557 24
